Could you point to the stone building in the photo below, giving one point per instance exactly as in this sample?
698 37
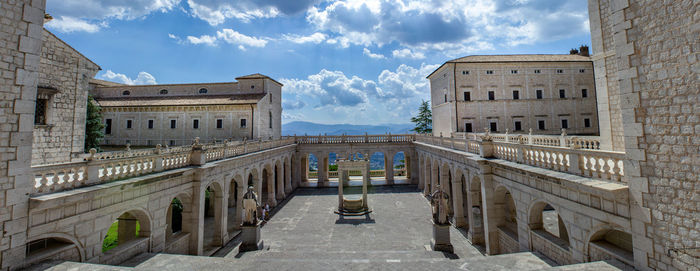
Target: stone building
61 101
174 114
544 93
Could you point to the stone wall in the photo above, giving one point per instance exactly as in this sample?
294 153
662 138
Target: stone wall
655 44
20 40
178 245
543 245
506 242
65 73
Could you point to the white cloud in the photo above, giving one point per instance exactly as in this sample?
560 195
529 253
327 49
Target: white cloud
407 53
143 78
90 15
233 37
369 53
69 24
204 39
216 12
315 38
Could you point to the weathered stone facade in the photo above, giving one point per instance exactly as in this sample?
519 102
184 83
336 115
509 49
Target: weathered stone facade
517 93
655 45
175 114
64 74
20 50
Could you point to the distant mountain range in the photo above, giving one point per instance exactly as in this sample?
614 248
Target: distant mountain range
310 128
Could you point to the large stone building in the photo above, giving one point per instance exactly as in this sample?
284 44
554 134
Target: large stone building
174 114
544 93
637 206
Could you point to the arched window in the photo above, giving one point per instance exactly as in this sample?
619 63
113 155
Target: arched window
126 93
163 91
203 91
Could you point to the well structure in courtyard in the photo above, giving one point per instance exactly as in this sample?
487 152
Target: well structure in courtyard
353 204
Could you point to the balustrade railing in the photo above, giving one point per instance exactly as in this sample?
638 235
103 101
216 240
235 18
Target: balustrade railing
372 173
341 139
576 155
109 166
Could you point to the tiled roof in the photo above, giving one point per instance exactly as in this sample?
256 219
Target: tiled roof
181 100
521 58
257 76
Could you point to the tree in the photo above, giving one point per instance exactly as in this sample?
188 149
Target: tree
424 120
93 125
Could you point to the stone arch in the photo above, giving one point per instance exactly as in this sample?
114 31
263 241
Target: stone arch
536 217
54 245
461 203
132 225
434 175
446 185
506 219
548 232
278 183
428 172
267 185
609 241
184 201
253 179
288 174
212 199
236 189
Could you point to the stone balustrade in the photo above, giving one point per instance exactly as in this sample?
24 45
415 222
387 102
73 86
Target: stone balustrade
372 173
342 139
563 140
589 162
110 166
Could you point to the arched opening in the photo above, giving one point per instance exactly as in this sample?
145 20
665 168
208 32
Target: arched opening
506 221
288 174
312 168
611 244
213 198
177 231
52 248
400 170
267 192
548 233
127 237
377 164
279 183
476 233
446 186
232 222
427 183
434 176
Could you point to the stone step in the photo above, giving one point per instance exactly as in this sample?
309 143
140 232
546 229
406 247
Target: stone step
592 266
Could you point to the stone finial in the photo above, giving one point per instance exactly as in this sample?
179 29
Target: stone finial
166 146
507 130
158 148
196 141
128 146
563 132
92 151
440 134
530 131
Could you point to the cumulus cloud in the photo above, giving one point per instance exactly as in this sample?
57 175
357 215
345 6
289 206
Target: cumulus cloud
293 105
88 16
204 39
143 78
216 12
369 53
231 36
315 38
407 53
69 24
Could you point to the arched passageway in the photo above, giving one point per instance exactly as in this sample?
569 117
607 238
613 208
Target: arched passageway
213 204
548 233
55 247
476 230
233 213
506 221
178 226
608 244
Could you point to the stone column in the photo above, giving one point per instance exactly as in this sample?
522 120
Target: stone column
434 178
421 173
126 228
341 180
457 205
389 168
279 182
197 218
490 214
322 169
288 177
365 180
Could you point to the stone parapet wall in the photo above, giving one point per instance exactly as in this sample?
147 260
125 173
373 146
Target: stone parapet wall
542 244
506 243
178 245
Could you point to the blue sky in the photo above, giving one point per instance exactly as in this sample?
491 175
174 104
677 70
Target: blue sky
348 61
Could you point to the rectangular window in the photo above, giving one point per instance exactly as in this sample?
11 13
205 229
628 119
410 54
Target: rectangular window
540 125
150 124
492 95
270 97
219 123
516 95
494 127
270 114
195 124
587 123
582 71
445 97
518 126
584 93
465 72
560 71
40 111
128 124
489 72
564 124
172 142
173 124
108 126
243 123
467 96
562 93
539 94
468 127
514 71
538 71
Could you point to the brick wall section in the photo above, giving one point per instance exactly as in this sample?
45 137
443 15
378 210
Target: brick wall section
66 70
20 45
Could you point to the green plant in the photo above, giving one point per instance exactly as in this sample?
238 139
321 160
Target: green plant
93 125
424 119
